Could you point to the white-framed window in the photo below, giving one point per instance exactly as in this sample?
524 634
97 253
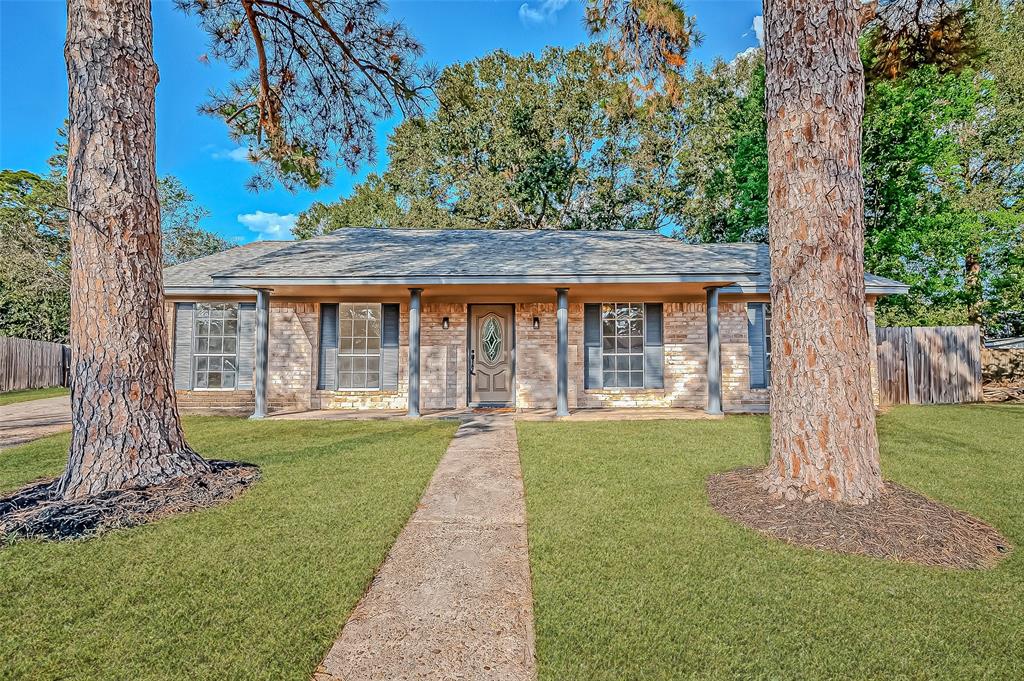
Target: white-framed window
359 346
622 339
767 344
215 346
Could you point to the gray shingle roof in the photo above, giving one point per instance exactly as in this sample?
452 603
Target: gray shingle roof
357 255
374 253
196 273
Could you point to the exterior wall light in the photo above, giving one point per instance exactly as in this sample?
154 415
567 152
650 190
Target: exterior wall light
444 323
536 322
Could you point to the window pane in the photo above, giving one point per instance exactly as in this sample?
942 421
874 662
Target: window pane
230 345
201 380
216 345
609 362
358 363
215 379
373 364
345 364
229 363
359 344
345 380
609 379
231 327
346 345
372 380
202 345
636 379
636 344
228 379
202 363
636 363
216 327
373 344
202 328
622 363
622 344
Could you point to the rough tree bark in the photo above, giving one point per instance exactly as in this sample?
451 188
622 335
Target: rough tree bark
824 445
125 427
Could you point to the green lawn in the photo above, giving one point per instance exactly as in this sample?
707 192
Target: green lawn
26 395
635 577
255 589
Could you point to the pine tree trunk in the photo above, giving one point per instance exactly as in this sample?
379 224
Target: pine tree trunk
125 427
824 444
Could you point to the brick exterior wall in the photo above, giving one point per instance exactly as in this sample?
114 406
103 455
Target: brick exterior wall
294 334
294 347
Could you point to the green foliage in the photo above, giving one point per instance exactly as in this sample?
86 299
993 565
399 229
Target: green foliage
723 156
256 588
516 142
35 279
636 577
944 170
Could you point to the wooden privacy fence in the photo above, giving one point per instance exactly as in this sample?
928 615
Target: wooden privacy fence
929 364
26 364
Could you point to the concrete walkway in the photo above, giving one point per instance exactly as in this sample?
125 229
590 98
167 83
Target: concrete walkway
453 599
23 422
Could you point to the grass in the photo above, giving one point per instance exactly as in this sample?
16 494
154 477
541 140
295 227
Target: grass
27 395
635 577
255 589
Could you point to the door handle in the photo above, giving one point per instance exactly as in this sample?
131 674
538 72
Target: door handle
472 362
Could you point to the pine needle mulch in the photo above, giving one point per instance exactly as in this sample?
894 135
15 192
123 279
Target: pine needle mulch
35 512
901 525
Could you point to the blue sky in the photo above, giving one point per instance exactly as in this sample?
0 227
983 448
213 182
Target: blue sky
195 148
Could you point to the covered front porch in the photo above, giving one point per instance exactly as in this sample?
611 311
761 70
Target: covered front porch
550 346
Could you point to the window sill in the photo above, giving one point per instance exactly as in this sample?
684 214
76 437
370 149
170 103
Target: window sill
213 390
624 391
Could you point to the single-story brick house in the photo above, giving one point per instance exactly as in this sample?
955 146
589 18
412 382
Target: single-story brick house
442 319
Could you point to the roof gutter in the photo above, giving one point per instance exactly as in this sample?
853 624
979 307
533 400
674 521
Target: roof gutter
435 280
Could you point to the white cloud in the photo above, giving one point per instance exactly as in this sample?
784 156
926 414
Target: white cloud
269 226
240 154
750 51
759 29
545 12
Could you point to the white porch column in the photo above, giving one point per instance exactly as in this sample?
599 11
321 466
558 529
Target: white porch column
562 373
262 351
714 354
414 351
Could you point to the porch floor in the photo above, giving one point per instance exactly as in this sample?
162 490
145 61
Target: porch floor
465 413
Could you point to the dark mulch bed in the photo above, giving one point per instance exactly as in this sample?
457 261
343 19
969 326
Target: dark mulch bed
32 512
901 525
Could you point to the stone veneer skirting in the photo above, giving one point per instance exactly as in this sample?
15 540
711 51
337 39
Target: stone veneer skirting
294 338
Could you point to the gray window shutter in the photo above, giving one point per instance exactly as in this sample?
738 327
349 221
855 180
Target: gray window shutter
654 346
327 372
755 345
593 376
184 314
246 344
389 331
